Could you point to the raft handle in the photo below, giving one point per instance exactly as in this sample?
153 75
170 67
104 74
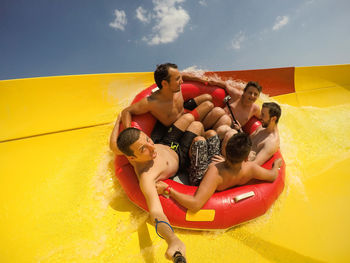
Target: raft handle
243 196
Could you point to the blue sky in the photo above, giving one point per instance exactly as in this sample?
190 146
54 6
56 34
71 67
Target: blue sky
58 37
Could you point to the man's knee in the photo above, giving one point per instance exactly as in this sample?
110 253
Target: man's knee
210 133
229 134
223 120
202 98
207 105
187 117
196 127
198 138
222 130
217 112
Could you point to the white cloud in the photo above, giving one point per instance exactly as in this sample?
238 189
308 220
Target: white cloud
238 40
120 20
203 2
171 20
281 21
143 15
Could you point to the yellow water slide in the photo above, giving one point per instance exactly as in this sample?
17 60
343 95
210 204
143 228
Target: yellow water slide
60 201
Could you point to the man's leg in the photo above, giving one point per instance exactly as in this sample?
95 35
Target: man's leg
192 103
184 121
223 120
176 131
196 127
201 152
213 143
199 106
201 98
226 136
194 130
199 160
222 130
212 117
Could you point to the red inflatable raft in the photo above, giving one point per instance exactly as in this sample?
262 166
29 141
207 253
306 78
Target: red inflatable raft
224 209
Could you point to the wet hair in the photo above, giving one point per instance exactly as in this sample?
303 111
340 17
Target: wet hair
126 138
274 110
162 73
253 84
238 148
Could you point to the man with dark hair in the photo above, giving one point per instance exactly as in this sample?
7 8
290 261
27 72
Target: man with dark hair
162 73
224 173
154 162
242 104
166 103
266 139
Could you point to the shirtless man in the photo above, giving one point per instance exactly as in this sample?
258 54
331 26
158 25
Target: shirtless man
167 104
224 173
154 162
242 105
265 139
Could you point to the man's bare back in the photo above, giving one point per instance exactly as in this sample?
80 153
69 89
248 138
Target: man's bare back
225 173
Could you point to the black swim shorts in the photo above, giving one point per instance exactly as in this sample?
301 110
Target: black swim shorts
180 142
158 132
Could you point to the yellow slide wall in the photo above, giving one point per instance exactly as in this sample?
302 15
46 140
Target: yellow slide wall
59 201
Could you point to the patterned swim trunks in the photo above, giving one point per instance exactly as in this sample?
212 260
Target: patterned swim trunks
201 155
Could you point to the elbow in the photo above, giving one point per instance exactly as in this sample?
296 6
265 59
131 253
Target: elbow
195 207
124 112
274 176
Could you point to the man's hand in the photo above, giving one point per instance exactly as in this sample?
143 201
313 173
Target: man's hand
175 245
237 126
277 163
218 159
161 186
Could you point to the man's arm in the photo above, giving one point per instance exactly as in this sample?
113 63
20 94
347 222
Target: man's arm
205 190
156 212
256 111
113 138
187 76
266 152
137 108
261 173
234 92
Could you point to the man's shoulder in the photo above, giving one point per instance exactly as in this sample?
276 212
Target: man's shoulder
248 168
153 97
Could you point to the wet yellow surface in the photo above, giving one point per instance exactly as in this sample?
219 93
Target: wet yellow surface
59 201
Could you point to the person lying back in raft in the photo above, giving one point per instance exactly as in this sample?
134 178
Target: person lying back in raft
155 162
242 105
167 104
265 139
223 174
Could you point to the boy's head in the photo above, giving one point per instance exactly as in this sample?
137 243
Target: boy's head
238 148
